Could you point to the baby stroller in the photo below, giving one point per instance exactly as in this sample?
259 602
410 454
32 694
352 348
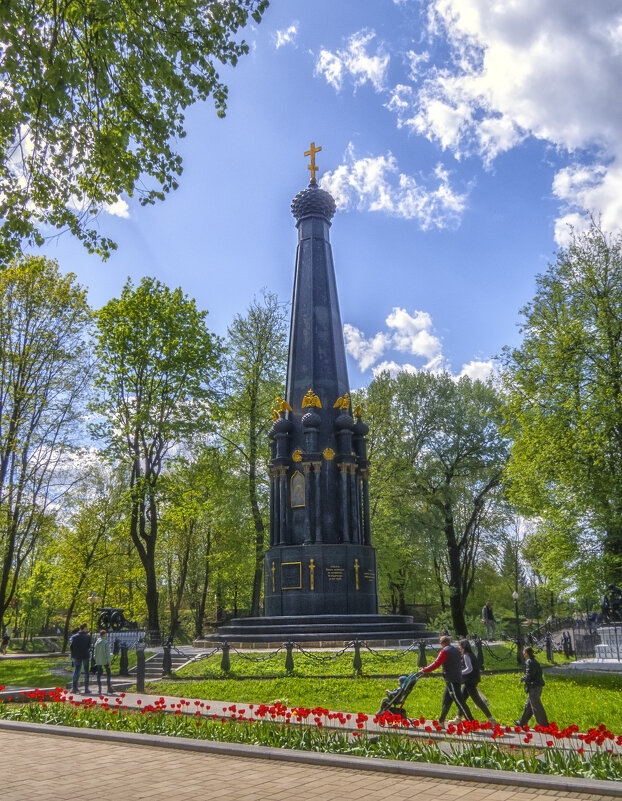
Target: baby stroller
394 700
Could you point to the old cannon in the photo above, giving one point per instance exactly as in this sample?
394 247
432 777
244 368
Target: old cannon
112 618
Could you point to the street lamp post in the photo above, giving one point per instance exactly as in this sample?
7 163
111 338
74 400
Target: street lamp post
518 635
92 600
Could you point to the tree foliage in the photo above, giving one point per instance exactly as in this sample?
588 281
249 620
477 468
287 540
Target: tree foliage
92 93
254 375
155 358
564 385
44 371
442 451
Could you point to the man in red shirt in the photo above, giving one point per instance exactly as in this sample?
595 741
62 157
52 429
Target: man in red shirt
450 660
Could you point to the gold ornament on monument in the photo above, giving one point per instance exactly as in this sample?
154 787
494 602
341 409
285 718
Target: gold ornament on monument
343 403
311 399
297 456
328 454
283 405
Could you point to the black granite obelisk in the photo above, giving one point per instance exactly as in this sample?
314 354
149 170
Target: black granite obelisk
320 567
320 560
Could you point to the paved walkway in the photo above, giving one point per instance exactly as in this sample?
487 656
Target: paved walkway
63 769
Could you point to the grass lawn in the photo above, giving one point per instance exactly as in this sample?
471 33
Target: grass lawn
320 663
584 700
33 673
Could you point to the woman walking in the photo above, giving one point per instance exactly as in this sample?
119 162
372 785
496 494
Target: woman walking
471 677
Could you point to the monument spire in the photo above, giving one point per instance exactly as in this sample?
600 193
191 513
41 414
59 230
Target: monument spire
319 475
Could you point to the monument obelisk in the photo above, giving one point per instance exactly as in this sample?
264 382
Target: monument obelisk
320 560
320 580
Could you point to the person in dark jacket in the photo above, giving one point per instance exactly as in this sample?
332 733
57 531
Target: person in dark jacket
488 619
451 662
471 677
80 646
533 683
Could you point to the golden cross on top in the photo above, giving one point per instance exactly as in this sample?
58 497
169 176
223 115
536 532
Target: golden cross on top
311 152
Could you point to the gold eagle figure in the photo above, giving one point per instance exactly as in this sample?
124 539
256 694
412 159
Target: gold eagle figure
275 414
283 405
343 403
358 412
311 399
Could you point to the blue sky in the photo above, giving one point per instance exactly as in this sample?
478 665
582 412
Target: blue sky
459 138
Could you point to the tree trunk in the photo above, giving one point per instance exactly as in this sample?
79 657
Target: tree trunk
439 582
67 623
200 613
456 602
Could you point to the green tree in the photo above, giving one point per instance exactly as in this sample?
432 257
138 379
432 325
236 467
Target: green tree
186 532
82 546
155 358
443 451
44 372
564 385
92 94
405 550
254 375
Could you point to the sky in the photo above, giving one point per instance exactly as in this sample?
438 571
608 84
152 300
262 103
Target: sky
460 139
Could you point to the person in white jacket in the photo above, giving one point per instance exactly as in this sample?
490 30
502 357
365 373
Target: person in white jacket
102 660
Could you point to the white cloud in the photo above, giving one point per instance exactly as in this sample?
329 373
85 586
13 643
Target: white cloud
412 333
478 370
594 188
393 368
118 209
547 69
356 62
407 333
375 183
286 35
365 351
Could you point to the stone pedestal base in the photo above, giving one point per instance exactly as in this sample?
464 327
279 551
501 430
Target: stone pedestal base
320 579
610 646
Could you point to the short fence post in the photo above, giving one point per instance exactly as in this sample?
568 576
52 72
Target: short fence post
167 662
479 652
225 662
123 661
357 664
289 659
140 669
422 659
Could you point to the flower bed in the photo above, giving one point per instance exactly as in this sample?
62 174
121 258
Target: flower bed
585 701
255 725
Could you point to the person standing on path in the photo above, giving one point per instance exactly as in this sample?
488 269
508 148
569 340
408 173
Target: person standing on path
6 639
488 618
102 660
533 683
450 660
471 677
80 645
